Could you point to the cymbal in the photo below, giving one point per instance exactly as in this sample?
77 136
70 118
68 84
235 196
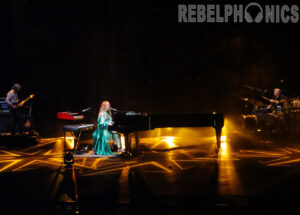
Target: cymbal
283 100
292 99
253 102
280 101
252 88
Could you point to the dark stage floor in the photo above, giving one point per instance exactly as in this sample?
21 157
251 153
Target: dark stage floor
177 172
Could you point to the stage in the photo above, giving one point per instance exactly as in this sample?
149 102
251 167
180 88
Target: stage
167 73
176 171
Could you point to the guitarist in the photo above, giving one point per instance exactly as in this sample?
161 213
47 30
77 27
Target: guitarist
12 100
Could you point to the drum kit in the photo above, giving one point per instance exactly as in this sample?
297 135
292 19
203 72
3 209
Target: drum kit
284 116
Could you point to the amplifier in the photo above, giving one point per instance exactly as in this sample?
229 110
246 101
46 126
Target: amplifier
5 119
4 110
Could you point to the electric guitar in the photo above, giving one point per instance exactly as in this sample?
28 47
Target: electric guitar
21 104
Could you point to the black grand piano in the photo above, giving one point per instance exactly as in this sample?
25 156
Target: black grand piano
131 122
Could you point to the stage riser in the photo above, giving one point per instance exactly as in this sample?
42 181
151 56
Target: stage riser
5 123
19 140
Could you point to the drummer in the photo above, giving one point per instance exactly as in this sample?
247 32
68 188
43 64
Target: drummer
278 101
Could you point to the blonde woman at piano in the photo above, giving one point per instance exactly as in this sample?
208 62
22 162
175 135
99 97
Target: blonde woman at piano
102 135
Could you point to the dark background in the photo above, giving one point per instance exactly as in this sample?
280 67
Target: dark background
74 54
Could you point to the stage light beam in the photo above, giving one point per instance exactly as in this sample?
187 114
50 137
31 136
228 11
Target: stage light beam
70 142
170 141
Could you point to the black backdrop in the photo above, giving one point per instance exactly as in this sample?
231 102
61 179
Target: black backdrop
73 54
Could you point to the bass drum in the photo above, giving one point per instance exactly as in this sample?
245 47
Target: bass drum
262 111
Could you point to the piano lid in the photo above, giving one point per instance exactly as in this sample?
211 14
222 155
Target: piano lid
187 120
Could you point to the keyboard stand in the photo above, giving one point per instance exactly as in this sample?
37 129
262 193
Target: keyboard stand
76 139
75 130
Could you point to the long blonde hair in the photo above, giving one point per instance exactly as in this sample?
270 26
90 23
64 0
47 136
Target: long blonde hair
102 108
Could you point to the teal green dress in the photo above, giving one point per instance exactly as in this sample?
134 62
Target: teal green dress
102 135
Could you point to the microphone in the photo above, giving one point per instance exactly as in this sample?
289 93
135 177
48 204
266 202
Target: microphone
113 109
85 110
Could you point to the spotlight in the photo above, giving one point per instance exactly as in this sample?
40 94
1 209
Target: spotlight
68 158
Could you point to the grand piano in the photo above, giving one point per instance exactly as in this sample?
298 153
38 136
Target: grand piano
130 122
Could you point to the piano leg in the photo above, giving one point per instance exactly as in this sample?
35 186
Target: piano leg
218 136
136 139
127 143
65 143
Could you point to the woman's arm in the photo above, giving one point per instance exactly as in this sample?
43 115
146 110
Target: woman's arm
101 121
